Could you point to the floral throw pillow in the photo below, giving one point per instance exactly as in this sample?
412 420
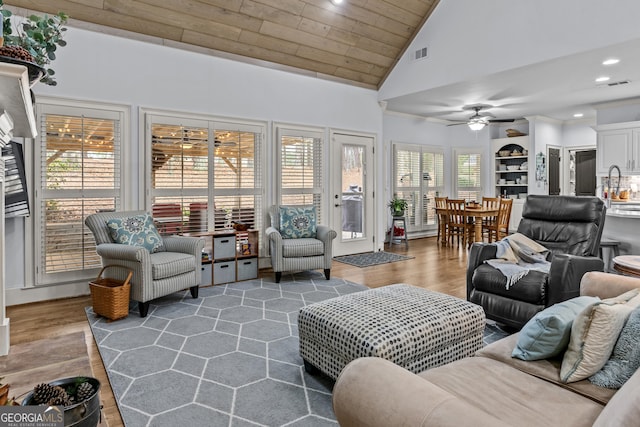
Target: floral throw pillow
297 222
137 230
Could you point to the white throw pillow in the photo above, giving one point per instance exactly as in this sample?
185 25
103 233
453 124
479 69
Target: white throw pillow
593 335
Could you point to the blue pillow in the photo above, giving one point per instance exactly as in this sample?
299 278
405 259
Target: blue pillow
625 359
547 333
137 230
297 221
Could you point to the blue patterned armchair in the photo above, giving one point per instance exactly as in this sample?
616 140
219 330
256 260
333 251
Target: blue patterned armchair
298 243
156 273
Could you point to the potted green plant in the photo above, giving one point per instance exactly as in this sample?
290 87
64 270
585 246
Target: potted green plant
35 42
397 206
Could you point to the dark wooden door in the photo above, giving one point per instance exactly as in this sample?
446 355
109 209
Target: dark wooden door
586 173
554 171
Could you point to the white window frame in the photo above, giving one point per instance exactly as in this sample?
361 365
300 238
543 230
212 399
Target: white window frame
423 189
281 130
478 189
34 272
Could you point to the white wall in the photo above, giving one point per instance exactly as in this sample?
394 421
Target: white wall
579 134
458 33
105 68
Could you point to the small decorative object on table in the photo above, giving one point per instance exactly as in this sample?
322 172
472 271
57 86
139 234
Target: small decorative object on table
240 226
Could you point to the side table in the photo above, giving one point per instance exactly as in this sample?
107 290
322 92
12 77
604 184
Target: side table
402 221
627 264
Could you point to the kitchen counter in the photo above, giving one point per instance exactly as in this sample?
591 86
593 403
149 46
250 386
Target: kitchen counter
624 211
621 224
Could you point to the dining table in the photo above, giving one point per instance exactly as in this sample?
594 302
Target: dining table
478 213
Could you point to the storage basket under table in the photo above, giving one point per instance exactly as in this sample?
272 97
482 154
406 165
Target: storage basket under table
110 297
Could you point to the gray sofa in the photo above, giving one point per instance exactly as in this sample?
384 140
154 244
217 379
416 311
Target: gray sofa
488 389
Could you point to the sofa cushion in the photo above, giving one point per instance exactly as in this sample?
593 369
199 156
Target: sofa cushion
297 222
169 264
593 335
547 369
293 248
137 230
547 333
625 359
514 397
530 288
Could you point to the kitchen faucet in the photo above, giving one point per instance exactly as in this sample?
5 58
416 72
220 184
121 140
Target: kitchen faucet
609 180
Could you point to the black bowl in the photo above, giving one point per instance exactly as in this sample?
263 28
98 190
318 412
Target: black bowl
83 414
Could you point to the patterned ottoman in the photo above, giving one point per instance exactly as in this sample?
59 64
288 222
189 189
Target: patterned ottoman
412 327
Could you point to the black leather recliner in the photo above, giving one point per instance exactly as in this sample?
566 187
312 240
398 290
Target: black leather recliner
570 227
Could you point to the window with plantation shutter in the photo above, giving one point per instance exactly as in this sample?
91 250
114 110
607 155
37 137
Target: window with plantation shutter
79 157
300 168
205 174
418 172
468 174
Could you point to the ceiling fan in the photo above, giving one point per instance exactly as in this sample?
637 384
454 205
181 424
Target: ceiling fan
478 121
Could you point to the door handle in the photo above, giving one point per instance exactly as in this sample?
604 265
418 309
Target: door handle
337 204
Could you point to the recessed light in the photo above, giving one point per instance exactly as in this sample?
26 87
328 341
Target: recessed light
610 61
602 79
578 115
336 1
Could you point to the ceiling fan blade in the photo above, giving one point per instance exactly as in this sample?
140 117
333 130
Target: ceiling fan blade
457 124
502 120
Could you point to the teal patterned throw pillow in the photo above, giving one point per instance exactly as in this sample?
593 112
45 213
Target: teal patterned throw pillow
297 222
137 230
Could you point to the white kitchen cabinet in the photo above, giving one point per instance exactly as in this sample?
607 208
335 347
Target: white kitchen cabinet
619 144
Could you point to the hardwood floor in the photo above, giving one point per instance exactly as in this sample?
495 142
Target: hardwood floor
434 267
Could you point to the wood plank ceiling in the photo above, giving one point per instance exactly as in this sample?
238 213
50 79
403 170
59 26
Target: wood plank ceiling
358 41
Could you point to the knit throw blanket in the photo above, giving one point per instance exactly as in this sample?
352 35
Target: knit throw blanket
516 255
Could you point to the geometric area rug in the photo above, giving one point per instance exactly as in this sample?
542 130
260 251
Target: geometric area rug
228 358
371 258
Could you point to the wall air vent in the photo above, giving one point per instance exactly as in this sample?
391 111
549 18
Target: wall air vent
621 82
420 54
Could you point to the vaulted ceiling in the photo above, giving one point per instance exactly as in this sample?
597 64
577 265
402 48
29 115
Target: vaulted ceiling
358 41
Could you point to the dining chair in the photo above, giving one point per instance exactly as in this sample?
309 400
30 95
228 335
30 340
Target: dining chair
489 203
457 225
441 203
500 228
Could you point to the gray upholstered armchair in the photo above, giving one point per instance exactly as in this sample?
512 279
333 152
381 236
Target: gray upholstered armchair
175 267
305 253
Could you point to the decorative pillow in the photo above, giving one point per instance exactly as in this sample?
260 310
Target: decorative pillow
593 335
547 333
625 358
297 221
137 230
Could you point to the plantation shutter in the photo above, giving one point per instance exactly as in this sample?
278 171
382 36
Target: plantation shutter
418 176
237 180
468 176
301 173
79 174
179 176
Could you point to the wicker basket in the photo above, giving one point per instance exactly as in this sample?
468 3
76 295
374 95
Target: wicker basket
110 297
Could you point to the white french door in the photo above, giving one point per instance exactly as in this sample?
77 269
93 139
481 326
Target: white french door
352 188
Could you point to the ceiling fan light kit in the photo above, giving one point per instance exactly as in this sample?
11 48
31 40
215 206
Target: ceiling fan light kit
476 124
